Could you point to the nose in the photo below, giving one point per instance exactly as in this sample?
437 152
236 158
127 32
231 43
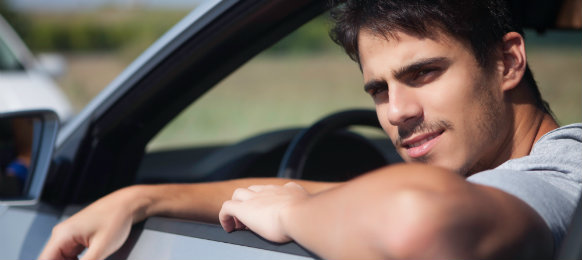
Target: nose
403 106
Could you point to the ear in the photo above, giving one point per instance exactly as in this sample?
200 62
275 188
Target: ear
514 60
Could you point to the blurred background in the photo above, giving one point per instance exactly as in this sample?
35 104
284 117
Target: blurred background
99 38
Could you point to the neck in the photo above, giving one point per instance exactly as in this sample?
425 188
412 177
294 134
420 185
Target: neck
516 139
530 124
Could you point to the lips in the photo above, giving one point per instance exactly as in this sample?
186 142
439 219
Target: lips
420 145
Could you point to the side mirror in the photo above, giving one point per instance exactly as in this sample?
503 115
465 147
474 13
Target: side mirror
27 141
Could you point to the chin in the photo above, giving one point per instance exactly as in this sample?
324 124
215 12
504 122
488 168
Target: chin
451 166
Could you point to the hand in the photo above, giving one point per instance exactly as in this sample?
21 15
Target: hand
259 209
102 227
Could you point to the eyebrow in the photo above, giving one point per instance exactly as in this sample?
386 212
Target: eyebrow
417 65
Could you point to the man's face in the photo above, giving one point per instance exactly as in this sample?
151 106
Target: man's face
435 102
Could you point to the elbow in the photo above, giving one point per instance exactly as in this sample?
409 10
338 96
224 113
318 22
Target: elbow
422 221
415 209
416 226
422 212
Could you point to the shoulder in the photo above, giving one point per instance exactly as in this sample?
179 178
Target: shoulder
549 179
557 152
564 138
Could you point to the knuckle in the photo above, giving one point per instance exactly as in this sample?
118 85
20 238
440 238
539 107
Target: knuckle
226 204
237 193
293 185
60 229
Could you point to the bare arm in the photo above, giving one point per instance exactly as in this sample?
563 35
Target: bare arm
406 211
104 225
202 201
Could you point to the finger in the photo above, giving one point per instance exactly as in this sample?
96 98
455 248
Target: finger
238 225
242 194
259 188
61 246
53 251
50 251
106 243
95 251
293 185
256 188
226 215
101 245
57 253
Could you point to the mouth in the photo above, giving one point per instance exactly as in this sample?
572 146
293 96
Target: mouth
420 145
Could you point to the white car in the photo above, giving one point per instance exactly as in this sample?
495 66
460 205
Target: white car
26 83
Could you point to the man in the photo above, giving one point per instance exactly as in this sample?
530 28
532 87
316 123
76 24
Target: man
491 174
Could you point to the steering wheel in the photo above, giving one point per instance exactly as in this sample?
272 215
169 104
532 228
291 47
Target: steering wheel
293 163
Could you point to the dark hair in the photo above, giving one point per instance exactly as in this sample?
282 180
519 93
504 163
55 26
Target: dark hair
479 23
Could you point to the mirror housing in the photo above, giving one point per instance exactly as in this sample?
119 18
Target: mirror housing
27 140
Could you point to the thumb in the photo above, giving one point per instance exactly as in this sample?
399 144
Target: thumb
60 246
96 250
104 244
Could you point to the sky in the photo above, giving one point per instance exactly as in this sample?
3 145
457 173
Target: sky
75 5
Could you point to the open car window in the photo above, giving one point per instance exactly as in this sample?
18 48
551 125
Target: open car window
287 87
290 86
284 86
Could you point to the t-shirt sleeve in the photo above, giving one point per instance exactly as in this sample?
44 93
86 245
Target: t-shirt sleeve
548 180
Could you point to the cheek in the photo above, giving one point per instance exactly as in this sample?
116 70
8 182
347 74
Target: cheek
448 98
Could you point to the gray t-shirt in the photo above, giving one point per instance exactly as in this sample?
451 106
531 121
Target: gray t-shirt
549 179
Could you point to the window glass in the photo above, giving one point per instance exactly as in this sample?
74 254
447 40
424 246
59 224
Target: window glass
299 80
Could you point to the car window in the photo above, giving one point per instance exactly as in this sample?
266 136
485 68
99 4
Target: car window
297 81
289 86
8 61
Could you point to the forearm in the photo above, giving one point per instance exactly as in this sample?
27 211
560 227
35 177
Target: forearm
356 220
198 201
398 212
103 226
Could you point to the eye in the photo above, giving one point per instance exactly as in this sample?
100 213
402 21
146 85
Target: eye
424 76
377 89
423 73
